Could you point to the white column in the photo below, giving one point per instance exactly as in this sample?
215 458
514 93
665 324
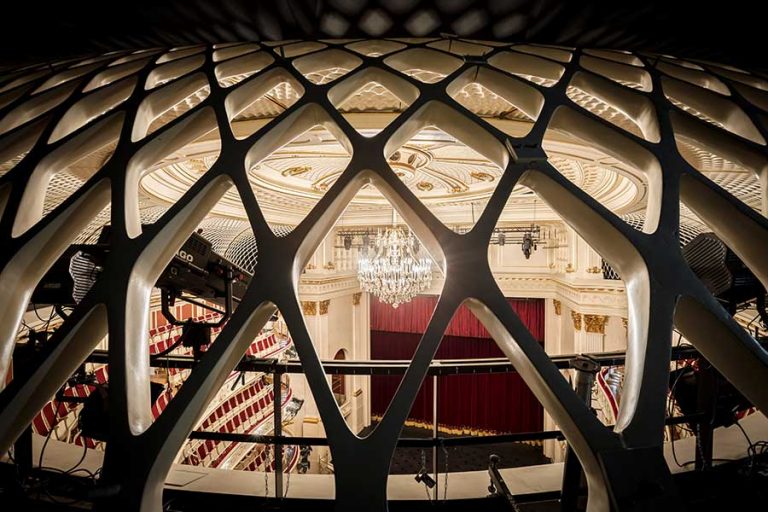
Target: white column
310 419
615 334
553 317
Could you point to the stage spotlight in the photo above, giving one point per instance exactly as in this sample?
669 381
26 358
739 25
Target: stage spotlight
527 245
423 478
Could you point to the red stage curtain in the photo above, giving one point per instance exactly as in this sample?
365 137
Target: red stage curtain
414 316
484 402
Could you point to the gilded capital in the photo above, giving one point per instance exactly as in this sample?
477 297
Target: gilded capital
576 317
309 307
595 323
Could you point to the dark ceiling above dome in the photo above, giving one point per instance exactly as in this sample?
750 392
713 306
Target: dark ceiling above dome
728 33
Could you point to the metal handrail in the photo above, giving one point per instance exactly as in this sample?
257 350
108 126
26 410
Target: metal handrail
439 367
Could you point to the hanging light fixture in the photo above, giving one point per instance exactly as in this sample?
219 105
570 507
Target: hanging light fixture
394 272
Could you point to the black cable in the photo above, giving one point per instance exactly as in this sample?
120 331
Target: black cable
24 326
445 458
58 473
751 451
82 458
50 431
37 314
170 349
670 410
671 404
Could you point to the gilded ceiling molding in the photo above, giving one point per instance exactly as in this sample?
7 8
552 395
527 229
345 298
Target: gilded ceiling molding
595 323
324 306
309 308
576 317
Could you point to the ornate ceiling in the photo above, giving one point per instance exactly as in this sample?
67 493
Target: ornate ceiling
443 172
452 179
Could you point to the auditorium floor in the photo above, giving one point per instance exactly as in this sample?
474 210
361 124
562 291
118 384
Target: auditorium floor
407 461
741 485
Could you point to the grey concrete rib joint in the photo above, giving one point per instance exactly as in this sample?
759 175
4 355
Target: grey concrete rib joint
150 106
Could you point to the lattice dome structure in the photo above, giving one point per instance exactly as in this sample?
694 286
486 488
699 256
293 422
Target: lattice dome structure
79 140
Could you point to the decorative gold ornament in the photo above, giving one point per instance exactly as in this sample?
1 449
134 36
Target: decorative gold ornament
595 323
329 266
594 270
297 170
576 317
356 298
324 306
625 322
482 176
570 268
558 306
309 308
424 186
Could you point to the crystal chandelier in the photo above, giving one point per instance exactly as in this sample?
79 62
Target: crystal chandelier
394 272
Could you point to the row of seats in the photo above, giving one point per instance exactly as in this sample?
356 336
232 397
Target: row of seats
162 329
62 417
246 429
257 396
168 335
48 416
161 403
257 458
263 347
225 417
259 462
240 413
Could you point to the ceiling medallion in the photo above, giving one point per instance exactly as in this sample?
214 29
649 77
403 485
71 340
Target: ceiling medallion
394 272
407 160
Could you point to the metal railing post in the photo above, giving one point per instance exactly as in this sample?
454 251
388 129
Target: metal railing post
706 403
434 435
277 389
586 368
